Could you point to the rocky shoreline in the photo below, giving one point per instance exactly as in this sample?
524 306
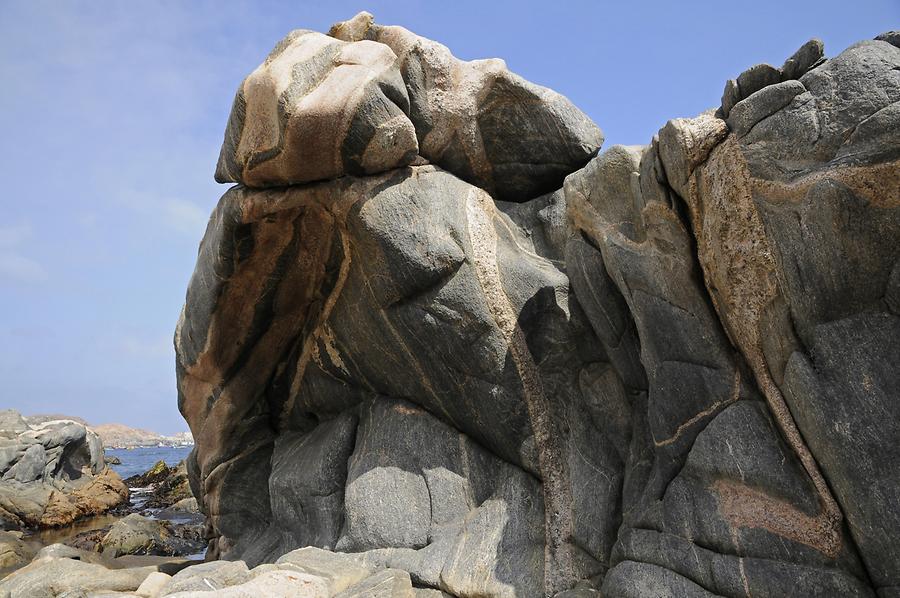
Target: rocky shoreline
58 490
160 519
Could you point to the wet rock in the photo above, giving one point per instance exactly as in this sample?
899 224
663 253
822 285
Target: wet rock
136 534
168 485
186 505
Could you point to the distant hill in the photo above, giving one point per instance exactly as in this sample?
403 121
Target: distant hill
36 420
122 436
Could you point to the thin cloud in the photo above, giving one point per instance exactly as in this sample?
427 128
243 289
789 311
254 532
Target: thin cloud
13 236
185 217
147 348
14 265
174 213
19 268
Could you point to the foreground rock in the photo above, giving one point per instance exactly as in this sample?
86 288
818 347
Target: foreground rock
13 551
53 473
677 375
139 535
304 573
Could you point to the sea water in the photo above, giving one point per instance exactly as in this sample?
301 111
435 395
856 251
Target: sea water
138 460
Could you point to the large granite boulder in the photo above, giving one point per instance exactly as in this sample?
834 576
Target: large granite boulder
53 473
673 373
481 122
318 108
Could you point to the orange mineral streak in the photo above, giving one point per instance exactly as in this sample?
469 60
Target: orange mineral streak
879 184
745 507
739 271
311 228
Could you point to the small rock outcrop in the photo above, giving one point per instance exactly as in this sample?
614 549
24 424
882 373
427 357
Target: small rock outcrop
162 486
487 361
136 534
53 473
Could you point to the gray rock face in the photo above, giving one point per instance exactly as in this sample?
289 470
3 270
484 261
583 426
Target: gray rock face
673 374
52 473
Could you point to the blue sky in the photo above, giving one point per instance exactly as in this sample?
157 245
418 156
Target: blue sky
112 115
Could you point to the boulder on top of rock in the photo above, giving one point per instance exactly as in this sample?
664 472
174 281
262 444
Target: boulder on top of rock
318 108
486 125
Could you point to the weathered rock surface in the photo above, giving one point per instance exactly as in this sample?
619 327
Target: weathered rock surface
318 108
49 577
481 122
13 551
53 472
676 375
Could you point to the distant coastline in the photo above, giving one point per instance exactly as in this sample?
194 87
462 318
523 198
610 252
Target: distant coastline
120 436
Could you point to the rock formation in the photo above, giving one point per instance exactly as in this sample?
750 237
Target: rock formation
432 327
52 473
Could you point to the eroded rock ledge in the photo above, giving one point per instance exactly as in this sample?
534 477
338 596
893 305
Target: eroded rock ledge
677 374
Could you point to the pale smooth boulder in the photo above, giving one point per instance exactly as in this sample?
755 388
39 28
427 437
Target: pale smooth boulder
272 584
153 585
52 577
388 583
